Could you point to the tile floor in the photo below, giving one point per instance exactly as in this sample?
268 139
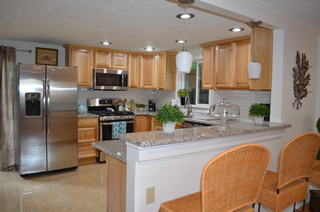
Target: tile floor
81 190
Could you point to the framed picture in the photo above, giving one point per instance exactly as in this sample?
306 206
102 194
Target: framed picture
46 56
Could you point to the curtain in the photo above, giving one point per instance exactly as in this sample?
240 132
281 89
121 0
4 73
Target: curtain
7 63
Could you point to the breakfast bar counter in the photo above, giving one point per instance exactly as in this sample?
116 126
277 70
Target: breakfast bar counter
173 164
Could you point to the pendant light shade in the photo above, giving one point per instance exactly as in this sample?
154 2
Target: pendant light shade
184 61
254 68
184 58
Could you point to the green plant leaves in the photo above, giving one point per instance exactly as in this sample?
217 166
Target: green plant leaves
169 113
259 110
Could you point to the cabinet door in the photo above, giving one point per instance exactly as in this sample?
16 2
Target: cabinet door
119 61
242 60
162 72
149 72
102 59
134 71
83 59
208 68
85 150
224 65
142 124
264 49
167 71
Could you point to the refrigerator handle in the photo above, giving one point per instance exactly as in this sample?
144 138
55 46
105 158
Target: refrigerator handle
44 107
48 101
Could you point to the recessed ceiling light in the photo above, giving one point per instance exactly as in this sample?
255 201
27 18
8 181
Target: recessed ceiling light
236 29
106 43
181 41
149 49
185 15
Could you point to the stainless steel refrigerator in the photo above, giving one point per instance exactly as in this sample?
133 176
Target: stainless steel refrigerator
46 118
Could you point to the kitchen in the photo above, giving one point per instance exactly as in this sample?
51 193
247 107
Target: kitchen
281 100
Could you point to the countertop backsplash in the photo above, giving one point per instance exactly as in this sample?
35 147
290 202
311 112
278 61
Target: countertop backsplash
240 97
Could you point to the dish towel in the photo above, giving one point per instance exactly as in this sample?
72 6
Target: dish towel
118 128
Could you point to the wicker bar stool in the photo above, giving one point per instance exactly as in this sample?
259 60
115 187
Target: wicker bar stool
229 182
315 173
290 185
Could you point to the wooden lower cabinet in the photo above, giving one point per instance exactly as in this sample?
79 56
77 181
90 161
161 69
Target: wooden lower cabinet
143 123
116 184
87 133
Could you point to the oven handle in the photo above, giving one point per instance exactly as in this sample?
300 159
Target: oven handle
110 123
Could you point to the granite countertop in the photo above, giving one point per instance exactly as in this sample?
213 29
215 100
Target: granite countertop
145 113
156 138
115 148
87 115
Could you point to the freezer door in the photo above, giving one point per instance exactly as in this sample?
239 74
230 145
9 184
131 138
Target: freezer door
62 121
32 120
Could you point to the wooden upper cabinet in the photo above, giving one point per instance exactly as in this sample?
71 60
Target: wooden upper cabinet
224 65
167 71
119 61
149 71
264 49
83 59
102 59
242 59
208 67
134 71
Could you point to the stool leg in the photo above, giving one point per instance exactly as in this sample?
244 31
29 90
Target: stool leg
259 207
253 205
304 203
294 207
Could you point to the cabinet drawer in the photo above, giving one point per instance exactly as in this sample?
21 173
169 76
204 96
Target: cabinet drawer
85 150
88 122
87 134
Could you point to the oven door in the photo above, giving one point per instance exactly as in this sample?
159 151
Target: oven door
105 79
106 134
106 130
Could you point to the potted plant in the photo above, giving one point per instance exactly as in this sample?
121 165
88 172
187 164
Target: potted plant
318 128
169 115
258 112
140 107
183 93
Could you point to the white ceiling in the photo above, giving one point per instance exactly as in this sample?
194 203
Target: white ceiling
129 25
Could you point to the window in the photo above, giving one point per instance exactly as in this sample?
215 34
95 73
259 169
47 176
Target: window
192 82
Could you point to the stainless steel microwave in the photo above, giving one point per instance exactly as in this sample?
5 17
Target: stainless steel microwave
110 80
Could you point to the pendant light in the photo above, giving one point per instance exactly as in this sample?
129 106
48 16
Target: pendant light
184 58
254 68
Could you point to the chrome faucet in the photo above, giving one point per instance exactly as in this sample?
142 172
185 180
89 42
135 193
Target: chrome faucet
189 110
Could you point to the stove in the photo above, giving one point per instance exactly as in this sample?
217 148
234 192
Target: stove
108 114
107 110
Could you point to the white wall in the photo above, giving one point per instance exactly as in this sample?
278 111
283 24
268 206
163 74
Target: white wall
29 58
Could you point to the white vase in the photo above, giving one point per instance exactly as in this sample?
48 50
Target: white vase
258 120
140 109
169 127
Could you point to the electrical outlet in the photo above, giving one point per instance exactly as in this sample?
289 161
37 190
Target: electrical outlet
150 195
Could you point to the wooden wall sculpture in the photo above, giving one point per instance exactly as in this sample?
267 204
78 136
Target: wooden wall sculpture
300 79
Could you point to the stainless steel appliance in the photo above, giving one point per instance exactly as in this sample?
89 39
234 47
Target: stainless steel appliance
108 79
107 111
47 120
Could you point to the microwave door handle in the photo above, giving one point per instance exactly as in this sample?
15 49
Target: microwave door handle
122 80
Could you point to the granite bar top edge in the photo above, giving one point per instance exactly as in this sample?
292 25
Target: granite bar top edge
157 138
87 115
114 148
